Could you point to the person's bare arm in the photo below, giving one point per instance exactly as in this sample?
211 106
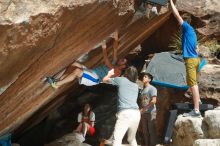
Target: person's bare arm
115 46
197 49
176 13
106 79
152 102
104 51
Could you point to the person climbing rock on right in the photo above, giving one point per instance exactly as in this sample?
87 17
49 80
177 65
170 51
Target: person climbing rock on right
94 76
192 60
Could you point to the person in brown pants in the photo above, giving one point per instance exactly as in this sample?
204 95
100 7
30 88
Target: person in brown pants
148 111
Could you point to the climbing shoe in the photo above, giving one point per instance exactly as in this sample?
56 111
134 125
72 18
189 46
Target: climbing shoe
192 113
52 82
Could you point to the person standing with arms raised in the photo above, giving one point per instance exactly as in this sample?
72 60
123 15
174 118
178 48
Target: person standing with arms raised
192 61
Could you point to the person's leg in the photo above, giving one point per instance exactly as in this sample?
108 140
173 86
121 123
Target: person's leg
77 73
192 65
66 76
132 130
195 94
85 128
61 75
121 127
79 128
145 131
152 128
194 82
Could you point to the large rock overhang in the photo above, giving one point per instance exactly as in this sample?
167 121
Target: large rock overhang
48 44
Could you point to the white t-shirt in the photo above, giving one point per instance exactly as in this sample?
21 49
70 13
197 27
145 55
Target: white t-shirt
89 118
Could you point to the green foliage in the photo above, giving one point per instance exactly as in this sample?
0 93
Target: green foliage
176 41
213 46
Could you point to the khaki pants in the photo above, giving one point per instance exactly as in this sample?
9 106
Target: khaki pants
192 66
149 128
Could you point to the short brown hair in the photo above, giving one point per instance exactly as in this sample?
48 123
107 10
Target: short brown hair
131 73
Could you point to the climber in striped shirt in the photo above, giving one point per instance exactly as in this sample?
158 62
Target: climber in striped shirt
90 77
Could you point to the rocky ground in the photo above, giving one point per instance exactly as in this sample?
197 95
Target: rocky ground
205 15
198 131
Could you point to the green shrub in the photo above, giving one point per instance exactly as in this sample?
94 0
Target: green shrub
213 46
176 41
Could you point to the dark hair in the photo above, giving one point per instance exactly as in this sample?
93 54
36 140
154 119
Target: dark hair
131 73
88 104
148 75
84 107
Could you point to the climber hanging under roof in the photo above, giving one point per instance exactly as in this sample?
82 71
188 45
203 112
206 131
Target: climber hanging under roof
94 76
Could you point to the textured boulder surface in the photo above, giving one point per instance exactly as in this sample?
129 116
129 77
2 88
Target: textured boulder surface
212 119
207 142
43 38
206 15
21 11
72 139
209 82
188 130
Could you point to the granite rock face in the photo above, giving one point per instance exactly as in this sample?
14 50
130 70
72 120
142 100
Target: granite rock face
206 15
21 11
41 43
191 131
212 119
72 139
187 130
207 142
209 82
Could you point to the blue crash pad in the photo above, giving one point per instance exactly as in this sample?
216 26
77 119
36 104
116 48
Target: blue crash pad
169 70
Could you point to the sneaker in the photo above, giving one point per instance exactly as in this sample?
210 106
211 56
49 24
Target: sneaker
192 113
52 82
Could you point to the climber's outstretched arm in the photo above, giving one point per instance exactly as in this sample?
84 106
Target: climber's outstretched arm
176 13
105 55
115 46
